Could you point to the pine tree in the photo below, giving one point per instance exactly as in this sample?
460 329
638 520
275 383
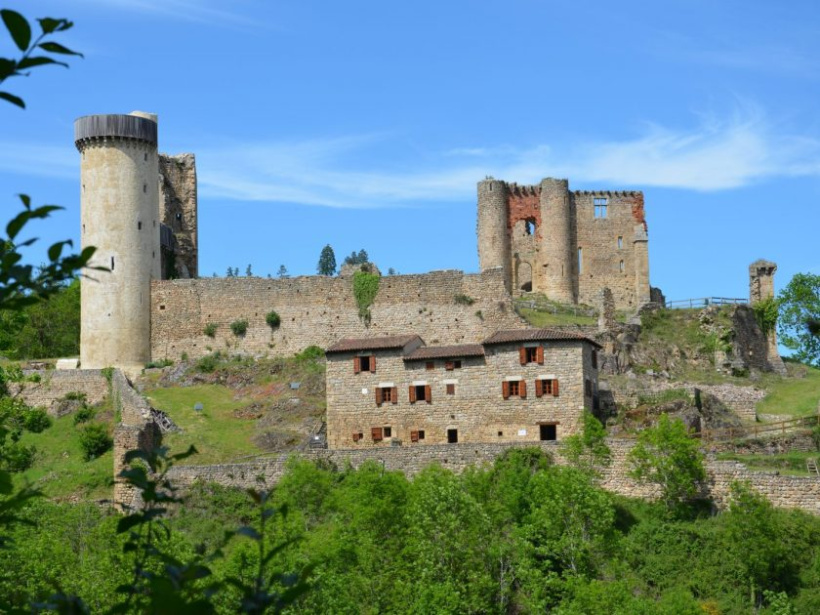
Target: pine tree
327 262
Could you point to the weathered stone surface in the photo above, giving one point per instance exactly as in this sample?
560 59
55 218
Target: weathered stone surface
178 211
55 384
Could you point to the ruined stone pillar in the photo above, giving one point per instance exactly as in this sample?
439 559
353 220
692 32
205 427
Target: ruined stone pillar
119 205
761 287
493 229
640 244
559 261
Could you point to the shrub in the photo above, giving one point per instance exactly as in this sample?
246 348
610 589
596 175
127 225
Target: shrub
365 289
239 327
210 330
815 436
311 353
159 364
184 356
84 414
17 457
464 300
95 441
108 373
207 364
36 420
75 396
273 320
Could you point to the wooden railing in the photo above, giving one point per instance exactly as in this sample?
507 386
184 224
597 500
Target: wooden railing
780 427
704 302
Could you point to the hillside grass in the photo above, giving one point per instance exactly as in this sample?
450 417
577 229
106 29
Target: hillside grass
216 433
792 396
541 312
59 469
790 464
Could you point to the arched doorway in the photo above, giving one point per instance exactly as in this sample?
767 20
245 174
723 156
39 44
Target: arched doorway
524 277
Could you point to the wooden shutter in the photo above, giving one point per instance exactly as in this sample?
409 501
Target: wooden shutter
357 365
378 396
412 394
449 366
355 437
414 436
505 390
540 355
376 432
372 364
522 389
394 395
428 394
522 355
539 388
555 388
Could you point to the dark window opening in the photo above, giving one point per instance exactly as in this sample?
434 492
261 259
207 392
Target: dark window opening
416 435
546 387
527 287
421 391
357 436
145 157
588 388
388 432
529 226
145 187
451 389
594 360
139 226
531 354
452 436
421 434
548 432
162 307
451 365
364 364
500 434
620 242
112 263
386 395
430 365
514 387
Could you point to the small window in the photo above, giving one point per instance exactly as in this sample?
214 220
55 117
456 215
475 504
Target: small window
548 432
139 226
500 434
420 392
600 204
580 260
364 364
594 359
377 434
388 432
452 436
620 242
588 388
621 266
112 263
386 395
145 187
529 226
546 386
145 157
357 436
451 389
430 365
532 354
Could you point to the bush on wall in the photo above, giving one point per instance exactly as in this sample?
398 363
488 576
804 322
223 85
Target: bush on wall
272 318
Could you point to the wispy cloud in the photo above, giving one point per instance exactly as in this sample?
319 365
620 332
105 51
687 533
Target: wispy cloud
715 154
199 11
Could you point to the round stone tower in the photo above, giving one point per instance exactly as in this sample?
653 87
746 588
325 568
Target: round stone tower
119 205
493 231
559 263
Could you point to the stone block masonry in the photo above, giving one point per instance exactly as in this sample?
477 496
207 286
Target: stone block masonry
54 385
319 311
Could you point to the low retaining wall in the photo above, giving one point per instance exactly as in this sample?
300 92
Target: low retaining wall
55 384
782 491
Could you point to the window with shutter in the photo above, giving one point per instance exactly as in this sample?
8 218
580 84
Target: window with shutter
451 389
539 388
449 366
388 432
412 394
555 388
376 434
522 355
430 365
357 365
357 437
513 387
364 364
414 436
428 394
372 365
505 390
394 395
522 389
378 396
421 434
540 355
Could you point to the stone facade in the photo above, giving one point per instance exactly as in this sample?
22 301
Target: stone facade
319 310
457 394
567 245
178 212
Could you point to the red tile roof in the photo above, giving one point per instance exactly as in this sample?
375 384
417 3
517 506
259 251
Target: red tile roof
536 335
373 343
446 352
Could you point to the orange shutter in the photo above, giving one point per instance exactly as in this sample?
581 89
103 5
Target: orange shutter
376 432
372 364
357 365
449 366
412 394
505 390
378 396
540 355
539 388
355 437
428 395
414 436
522 389
555 388
394 395
522 355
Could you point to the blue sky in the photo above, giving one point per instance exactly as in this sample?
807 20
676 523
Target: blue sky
367 124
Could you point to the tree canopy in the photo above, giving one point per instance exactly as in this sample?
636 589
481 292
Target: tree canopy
798 325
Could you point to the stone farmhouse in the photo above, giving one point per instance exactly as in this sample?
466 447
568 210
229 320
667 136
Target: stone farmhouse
519 385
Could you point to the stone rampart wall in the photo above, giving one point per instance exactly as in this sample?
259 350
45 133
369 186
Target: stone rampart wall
318 310
782 491
55 384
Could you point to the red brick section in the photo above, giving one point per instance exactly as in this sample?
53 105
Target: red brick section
522 203
637 210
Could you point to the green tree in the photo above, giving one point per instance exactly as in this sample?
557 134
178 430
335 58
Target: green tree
587 449
327 262
357 258
248 271
798 325
283 272
666 456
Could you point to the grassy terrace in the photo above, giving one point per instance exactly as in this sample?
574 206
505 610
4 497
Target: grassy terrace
792 464
793 396
540 312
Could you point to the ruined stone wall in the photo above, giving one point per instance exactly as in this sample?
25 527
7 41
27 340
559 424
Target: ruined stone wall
135 431
178 211
604 261
319 310
476 408
782 491
55 384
